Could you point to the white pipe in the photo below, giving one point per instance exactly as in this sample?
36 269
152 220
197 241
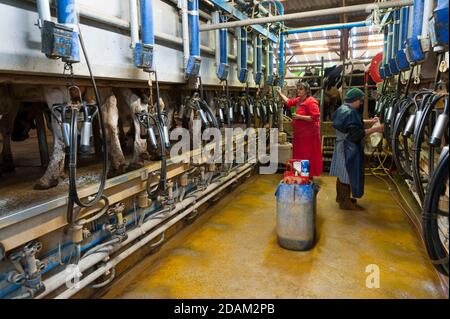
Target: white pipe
255 37
122 256
56 281
182 4
43 7
215 19
427 13
410 23
134 24
309 14
159 36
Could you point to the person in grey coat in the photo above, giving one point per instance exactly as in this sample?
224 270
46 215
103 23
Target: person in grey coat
348 157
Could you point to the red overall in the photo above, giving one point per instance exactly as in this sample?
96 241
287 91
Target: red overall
306 143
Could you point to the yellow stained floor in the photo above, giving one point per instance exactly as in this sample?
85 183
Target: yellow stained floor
231 252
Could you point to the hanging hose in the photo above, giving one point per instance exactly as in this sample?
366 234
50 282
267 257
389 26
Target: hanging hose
205 107
400 152
154 193
421 123
73 193
432 213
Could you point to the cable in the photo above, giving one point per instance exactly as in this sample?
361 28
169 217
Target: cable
415 221
73 193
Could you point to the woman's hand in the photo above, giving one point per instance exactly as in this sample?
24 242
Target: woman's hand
279 90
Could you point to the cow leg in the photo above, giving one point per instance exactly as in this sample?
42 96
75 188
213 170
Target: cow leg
55 169
6 127
140 145
111 118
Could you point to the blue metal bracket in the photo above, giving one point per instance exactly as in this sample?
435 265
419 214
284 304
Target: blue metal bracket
225 6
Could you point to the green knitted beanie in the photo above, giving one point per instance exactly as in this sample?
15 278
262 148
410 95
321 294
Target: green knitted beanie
353 95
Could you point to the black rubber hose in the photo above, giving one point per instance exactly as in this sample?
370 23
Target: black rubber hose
229 106
73 193
163 171
417 143
206 108
398 154
431 212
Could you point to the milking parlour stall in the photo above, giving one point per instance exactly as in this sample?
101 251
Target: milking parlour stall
224 158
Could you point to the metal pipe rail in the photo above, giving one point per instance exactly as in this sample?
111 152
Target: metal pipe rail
190 204
24 225
308 14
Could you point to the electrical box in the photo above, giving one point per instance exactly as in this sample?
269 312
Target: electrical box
193 66
393 66
382 73
56 40
402 60
439 28
243 75
258 77
222 71
414 50
387 70
143 56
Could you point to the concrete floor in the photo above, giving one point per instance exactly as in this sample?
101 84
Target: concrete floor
231 252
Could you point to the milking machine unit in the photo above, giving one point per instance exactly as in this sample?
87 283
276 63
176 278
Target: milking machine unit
67 114
143 59
61 41
417 122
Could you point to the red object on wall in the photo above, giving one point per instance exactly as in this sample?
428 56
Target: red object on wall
374 68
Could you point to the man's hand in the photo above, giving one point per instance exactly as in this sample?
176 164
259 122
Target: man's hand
374 120
379 128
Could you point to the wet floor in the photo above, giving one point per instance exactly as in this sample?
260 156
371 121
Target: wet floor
231 252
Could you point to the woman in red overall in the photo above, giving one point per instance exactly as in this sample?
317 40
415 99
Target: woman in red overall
306 125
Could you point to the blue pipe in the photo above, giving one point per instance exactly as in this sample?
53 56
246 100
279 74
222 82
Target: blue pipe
281 46
395 41
193 65
148 36
67 14
329 27
222 68
194 42
270 79
143 51
405 24
258 60
223 41
243 72
280 9
415 51
402 60
387 68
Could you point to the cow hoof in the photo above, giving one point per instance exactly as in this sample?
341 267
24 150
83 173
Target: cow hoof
145 156
136 165
42 185
8 168
113 172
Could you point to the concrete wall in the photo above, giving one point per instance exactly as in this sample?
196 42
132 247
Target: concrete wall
108 46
